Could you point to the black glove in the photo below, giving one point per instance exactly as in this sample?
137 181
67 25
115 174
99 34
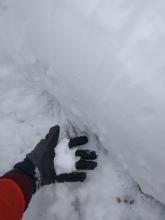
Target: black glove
42 157
85 163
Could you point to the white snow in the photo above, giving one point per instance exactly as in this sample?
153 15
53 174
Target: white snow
93 66
65 158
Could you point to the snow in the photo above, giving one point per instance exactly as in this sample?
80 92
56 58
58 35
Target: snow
93 67
65 159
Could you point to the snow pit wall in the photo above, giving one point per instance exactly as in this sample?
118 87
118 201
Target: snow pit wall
105 63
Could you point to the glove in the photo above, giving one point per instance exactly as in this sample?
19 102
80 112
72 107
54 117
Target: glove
42 158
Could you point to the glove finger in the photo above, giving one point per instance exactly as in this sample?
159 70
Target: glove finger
53 136
86 154
71 177
86 165
74 142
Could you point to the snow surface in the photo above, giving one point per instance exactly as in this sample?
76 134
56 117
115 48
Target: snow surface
94 66
65 159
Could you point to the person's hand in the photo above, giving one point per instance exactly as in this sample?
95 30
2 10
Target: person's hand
86 161
43 155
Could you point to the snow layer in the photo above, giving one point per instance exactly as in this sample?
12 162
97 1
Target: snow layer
93 66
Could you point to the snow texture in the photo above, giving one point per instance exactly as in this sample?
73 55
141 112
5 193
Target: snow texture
65 158
95 67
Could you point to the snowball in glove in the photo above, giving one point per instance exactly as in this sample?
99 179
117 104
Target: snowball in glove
68 158
42 159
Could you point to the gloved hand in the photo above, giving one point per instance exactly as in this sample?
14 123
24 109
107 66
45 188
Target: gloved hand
42 157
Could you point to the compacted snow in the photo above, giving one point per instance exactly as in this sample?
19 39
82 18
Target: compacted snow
94 67
65 158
